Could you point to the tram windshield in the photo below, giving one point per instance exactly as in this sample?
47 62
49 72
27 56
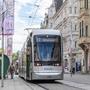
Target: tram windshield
47 49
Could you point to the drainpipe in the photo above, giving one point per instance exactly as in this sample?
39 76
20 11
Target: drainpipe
86 61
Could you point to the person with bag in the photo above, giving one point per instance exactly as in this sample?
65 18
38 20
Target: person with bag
12 69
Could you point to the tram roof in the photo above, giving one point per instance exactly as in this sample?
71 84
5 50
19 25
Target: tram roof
42 32
45 31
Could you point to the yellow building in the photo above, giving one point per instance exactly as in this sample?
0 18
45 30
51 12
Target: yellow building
84 41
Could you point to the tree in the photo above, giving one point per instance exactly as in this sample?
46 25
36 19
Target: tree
15 56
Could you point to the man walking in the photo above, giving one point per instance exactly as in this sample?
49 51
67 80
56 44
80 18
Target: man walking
12 69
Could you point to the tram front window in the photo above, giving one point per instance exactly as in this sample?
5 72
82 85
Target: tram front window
47 50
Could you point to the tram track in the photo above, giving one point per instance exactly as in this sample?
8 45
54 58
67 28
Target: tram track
42 87
43 84
26 83
57 86
48 85
34 85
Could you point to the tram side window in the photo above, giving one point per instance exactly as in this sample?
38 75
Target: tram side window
57 50
35 54
29 50
60 51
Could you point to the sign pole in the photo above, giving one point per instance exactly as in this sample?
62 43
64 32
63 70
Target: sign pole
71 47
2 61
2 64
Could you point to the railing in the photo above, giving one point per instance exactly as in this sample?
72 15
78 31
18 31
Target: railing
84 40
84 12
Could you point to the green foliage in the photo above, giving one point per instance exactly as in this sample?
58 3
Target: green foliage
15 56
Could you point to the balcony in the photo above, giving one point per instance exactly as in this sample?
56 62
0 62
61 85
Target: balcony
84 42
84 12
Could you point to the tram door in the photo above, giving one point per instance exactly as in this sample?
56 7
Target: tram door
27 65
28 58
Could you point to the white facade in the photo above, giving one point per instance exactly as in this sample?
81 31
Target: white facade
51 12
84 29
66 20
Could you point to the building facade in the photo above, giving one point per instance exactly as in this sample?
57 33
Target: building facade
84 33
7 24
51 13
58 4
66 20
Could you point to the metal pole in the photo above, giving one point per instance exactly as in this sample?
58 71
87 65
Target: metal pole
71 48
2 70
2 61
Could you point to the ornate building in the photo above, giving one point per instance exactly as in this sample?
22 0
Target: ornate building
84 41
66 20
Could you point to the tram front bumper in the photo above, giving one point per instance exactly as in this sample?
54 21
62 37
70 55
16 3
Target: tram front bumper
47 76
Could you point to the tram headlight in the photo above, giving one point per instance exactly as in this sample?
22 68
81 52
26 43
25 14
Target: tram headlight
38 64
57 64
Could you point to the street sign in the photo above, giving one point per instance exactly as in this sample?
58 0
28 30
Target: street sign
9 45
8 25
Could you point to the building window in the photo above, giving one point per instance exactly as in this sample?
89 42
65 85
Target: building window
51 25
70 10
86 32
82 2
86 4
75 44
75 27
75 10
80 30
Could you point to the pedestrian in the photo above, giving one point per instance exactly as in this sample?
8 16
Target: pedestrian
11 70
73 70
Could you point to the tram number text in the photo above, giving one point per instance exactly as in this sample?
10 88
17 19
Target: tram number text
48 69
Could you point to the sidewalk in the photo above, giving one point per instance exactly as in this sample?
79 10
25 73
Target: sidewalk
78 78
18 84
81 81
14 84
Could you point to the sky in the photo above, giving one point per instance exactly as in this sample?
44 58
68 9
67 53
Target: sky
28 14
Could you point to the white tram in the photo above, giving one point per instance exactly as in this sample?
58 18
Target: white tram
41 57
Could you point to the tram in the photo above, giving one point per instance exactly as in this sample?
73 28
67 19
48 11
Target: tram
41 57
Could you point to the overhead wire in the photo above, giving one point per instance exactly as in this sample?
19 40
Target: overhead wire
34 16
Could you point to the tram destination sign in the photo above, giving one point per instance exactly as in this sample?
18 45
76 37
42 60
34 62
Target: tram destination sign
46 39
